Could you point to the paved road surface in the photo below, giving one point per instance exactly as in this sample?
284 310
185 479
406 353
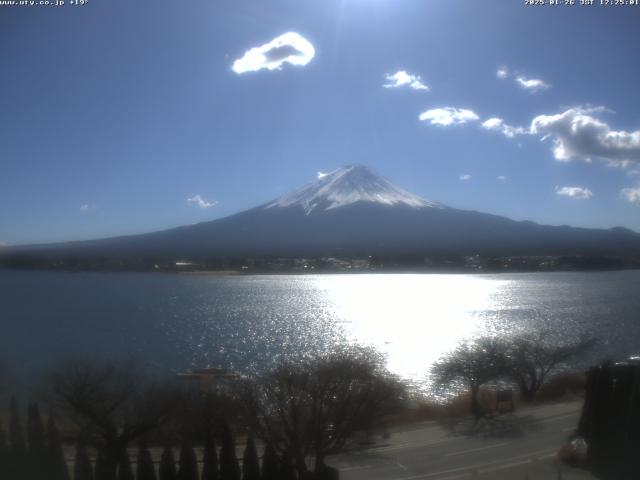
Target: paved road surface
509 447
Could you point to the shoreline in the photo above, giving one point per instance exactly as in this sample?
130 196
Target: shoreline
388 271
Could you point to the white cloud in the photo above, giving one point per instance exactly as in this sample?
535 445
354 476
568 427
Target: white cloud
466 177
198 201
401 79
532 85
448 116
321 175
86 207
502 73
577 134
575 192
501 178
631 195
498 125
290 48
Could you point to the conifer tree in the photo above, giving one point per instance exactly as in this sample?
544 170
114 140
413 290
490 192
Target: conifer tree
167 465
82 466
125 472
4 454
16 435
57 463
188 463
38 463
210 460
35 431
102 469
270 467
145 469
250 465
229 468
287 471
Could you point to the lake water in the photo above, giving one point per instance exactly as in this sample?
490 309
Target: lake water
175 322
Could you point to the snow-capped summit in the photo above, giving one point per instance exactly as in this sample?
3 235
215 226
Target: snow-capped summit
348 185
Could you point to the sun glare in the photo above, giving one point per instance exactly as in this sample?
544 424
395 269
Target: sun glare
413 319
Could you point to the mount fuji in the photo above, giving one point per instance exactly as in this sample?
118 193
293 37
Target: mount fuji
351 211
346 186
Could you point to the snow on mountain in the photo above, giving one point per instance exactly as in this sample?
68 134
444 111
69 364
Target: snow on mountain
348 185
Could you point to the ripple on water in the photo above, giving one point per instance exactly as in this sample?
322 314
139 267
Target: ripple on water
251 322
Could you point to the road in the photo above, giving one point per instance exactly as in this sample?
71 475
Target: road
515 446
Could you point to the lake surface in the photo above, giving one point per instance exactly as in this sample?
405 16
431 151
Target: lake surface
175 322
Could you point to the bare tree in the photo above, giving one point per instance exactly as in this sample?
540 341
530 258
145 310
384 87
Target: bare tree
527 360
112 406
316 407
472 364
531 358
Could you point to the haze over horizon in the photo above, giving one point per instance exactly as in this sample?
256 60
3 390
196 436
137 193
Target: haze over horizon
123 118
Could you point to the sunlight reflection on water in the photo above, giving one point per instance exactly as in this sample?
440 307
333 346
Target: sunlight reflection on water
174 322
413 319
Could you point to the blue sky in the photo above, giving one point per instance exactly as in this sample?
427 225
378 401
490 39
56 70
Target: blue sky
114 114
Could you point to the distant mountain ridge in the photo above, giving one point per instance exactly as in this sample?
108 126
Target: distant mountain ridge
351 211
